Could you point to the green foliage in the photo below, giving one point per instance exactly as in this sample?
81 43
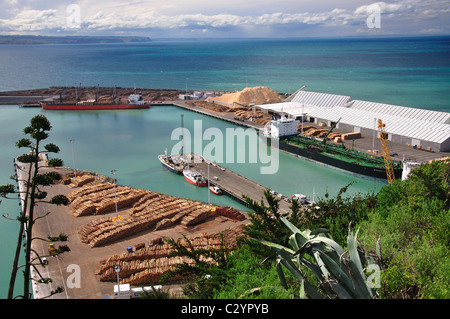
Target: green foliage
24 142
266 223
335 214
59 200
155 294
7 189
55 162
28 158
250 279
431 180
52 148
413 219
340 274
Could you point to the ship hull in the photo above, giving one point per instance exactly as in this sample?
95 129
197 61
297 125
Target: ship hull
191 179
369 171
169 167
213 190
81 107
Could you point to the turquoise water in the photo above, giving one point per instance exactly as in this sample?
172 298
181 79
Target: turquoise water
410 72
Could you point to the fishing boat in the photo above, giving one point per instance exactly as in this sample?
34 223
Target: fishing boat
194 177
215 190
173 163
134 101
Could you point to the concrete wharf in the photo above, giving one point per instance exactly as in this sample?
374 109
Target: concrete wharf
229 117
235 185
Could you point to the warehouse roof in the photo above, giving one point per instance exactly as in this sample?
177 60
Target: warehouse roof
320 99
399 125
416 123
403 111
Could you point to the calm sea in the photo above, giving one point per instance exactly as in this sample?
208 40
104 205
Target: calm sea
410 72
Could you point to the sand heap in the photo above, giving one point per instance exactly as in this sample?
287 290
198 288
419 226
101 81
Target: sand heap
258 95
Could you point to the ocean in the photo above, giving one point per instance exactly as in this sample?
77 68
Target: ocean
409 72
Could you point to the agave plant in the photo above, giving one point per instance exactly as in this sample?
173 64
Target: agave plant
340 273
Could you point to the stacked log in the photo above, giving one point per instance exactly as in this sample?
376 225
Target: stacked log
147 265
88 190
196 217
315 131
230 212
81 181
103 200
150 211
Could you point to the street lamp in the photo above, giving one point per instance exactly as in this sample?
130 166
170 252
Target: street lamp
73 158
115 193
117 269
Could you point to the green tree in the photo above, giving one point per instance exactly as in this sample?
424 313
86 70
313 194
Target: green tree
37 130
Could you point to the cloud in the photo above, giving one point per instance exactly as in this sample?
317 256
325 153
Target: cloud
401 16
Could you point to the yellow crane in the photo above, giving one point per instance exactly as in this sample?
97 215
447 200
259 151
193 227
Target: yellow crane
386 153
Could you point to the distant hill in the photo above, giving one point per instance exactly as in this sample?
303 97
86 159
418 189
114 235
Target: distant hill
37 39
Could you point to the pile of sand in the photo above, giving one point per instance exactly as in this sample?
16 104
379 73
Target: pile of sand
258 95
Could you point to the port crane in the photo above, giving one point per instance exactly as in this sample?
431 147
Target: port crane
386 153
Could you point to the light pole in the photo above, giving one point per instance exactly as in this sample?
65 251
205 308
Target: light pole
117 269
209 191
73 158
115 193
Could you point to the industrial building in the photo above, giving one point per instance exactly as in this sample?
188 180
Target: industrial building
415 127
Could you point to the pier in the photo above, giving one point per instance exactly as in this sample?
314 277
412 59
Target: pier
234 185
228 117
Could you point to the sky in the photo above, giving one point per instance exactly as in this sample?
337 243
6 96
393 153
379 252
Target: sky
225 19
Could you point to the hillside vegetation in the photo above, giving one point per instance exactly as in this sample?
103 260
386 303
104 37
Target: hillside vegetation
404 229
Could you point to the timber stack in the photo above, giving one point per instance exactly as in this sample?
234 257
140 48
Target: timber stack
146 211
149 264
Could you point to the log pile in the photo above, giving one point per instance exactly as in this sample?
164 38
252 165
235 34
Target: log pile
229 212
148 211
81 181
147 265
103 200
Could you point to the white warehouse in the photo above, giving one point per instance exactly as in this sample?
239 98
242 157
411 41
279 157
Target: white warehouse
405 125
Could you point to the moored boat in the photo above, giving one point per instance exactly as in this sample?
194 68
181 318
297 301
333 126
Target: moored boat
173 163
215 190
194 177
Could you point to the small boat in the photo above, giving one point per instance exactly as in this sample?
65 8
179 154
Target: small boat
303 199
173 163
194 177
215 190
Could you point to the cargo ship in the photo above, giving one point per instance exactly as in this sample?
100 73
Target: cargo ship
134 101
338 157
